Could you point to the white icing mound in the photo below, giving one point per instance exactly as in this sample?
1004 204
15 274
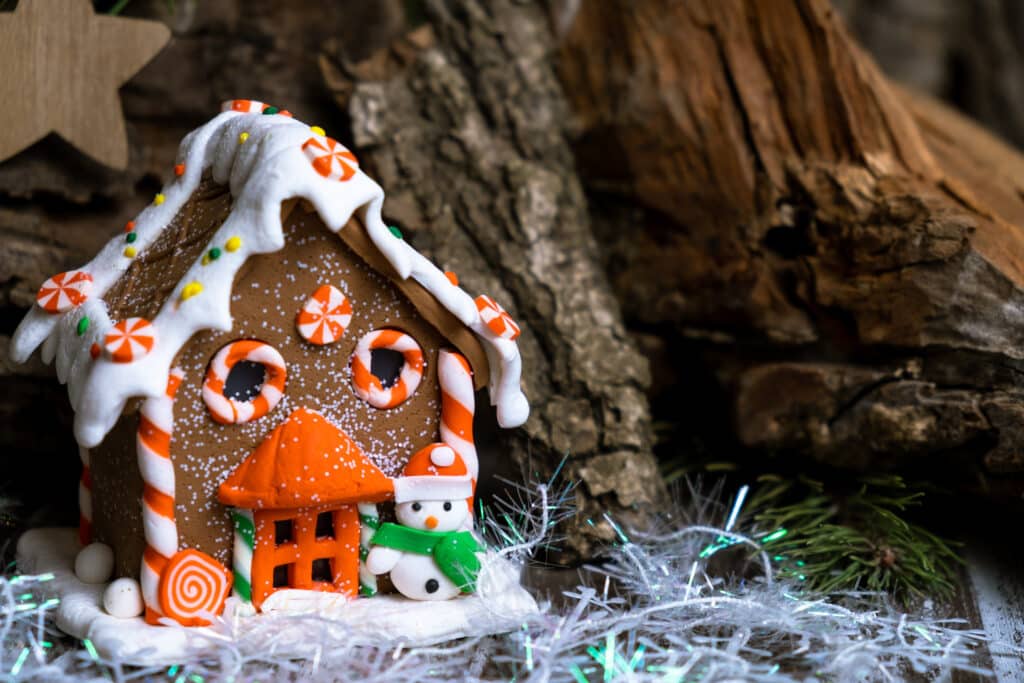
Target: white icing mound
261 160
295 624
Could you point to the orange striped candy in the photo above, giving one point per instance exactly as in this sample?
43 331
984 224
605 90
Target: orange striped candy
324 316
330 158
497 319
227 410
243 106
368 386
129 340
251 107
193 588
64 291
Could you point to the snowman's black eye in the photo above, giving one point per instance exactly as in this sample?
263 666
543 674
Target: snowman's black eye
447 506
416 507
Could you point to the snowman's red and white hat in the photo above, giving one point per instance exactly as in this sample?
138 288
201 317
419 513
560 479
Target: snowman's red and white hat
434 473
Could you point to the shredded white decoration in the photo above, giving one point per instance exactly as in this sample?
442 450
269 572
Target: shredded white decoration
656 611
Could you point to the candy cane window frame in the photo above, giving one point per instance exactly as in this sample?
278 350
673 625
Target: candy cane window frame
368 386
227 410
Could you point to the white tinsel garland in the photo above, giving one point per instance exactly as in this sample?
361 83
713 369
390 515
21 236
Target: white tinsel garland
653 611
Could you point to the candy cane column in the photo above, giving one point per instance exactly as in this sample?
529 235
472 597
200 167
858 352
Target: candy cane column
85 499
458 403
153 442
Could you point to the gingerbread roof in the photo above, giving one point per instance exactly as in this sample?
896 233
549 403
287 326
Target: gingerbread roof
265 157
306 461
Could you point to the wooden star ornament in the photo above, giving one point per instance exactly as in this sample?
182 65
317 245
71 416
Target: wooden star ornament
61 66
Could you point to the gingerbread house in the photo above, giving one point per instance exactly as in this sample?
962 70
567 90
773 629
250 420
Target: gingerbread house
252 362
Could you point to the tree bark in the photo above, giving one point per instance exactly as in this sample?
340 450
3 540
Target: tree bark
846 256
464 123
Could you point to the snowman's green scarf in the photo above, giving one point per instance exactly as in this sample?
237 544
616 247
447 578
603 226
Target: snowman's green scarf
453 551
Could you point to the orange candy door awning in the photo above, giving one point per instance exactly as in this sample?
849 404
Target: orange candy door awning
306 461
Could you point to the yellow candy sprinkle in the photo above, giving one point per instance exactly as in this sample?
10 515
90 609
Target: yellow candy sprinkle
130 252
233 244
190 290
243 137
206 260
159 199
318 130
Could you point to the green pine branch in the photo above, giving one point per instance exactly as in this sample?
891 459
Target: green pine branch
855 540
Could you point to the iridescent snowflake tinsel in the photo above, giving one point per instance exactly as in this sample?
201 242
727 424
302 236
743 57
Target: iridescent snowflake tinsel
657 609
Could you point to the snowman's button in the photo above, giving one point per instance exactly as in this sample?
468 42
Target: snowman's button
431 586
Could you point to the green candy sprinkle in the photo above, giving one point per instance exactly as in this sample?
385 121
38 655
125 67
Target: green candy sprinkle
131 237
270 110
83 325
214 253
396 232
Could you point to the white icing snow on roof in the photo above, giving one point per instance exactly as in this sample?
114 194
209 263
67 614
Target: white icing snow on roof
262 171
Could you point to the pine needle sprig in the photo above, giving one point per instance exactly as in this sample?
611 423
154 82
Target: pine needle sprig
855 540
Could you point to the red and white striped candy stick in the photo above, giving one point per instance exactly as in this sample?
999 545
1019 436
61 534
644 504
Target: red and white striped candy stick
153 444
85 499
458 402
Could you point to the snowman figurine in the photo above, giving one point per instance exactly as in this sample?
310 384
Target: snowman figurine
431 553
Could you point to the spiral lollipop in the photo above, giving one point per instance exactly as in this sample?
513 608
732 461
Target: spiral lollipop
193 587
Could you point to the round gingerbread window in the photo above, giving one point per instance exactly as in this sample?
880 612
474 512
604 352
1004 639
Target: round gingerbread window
387 367
244 382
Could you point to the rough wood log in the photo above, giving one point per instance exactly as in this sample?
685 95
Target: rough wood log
464 123
845 255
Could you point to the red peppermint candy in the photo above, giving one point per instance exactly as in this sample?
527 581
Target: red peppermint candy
64 291
497 319
324 316
129 340
330 158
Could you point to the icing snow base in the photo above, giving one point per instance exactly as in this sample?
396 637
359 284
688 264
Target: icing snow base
260 158
295 624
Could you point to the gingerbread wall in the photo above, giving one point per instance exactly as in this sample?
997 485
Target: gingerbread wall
268 292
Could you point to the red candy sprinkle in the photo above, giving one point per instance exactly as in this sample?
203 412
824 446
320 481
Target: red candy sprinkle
129 226
94 351
179 169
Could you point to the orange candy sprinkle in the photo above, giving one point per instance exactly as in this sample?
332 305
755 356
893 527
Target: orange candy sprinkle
179 169
129 226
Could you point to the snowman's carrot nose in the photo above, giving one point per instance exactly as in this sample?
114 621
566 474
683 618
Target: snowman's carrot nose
431 522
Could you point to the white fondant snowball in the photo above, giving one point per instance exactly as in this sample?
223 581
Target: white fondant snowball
94 563
123 599
442 457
